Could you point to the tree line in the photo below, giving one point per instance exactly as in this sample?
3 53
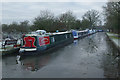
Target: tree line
47 21
67 21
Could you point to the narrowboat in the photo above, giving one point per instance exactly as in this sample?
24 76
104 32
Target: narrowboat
91 31
9 46
82 33
39 41
75 34
79 34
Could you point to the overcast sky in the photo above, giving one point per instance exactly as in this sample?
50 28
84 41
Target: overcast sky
20 11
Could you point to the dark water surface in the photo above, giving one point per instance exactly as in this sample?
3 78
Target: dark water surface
91 57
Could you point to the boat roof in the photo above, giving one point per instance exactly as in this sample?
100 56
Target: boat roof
40 31
82 31
35 34
60 32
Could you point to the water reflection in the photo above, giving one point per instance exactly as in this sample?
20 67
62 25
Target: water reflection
75 42
92 45
34 63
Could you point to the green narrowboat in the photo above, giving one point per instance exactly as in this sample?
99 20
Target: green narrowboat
40 41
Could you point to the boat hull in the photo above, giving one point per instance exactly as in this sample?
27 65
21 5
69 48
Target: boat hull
49 49
54 42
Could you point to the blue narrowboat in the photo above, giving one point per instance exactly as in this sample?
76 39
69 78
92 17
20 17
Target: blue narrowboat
75 34
79 34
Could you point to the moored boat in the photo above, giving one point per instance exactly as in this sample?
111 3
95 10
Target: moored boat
75 34
79 34
39 41
9 46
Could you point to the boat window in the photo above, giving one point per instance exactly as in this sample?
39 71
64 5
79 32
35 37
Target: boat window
70 35
52 39
66 36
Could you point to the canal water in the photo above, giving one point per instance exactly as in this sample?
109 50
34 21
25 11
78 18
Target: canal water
90 57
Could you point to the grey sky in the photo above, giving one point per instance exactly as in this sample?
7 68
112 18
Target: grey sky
20 11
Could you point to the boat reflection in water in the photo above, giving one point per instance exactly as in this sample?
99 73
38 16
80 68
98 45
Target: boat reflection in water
34 63
75 42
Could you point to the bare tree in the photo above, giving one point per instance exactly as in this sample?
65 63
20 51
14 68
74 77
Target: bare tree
24 26
44 21
112 16
92 16
68 19
45 14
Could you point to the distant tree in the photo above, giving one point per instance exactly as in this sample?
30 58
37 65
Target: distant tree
85 24
14 27
67 19
4 28
44 21
24 26
77 25
92 17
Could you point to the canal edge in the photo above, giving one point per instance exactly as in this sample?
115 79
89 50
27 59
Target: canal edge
113 42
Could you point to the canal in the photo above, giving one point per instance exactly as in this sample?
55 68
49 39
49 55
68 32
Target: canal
90 57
